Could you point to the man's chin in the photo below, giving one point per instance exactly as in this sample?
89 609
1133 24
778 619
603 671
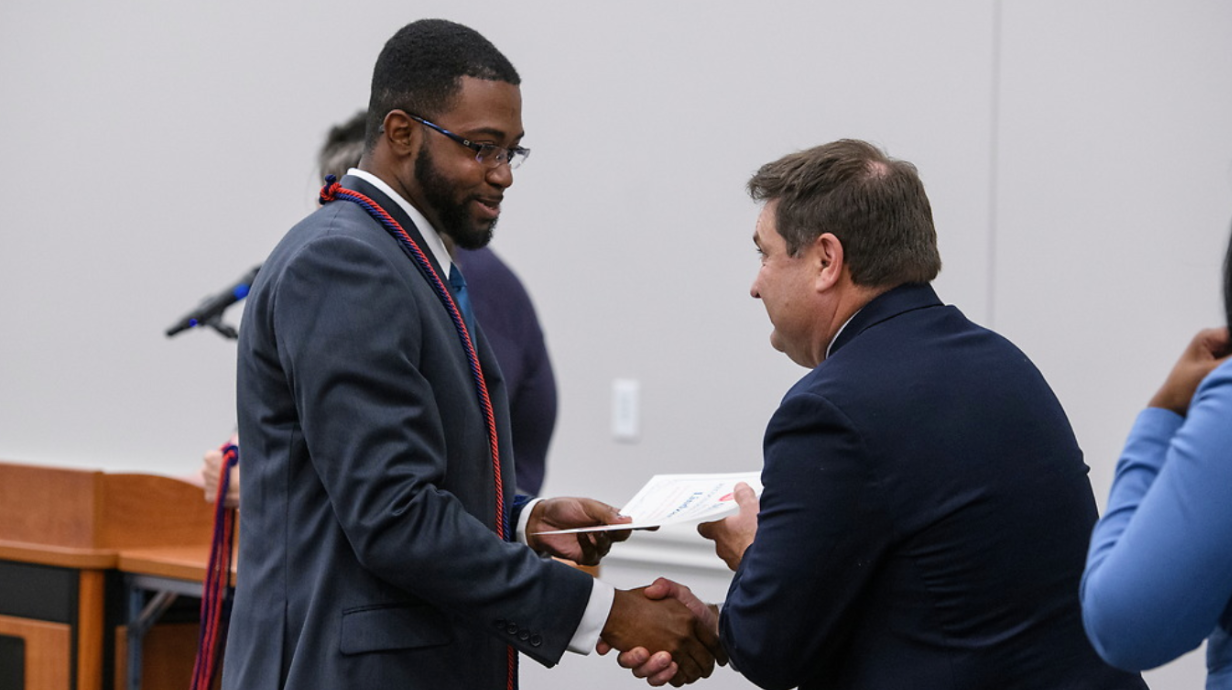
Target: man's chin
476 237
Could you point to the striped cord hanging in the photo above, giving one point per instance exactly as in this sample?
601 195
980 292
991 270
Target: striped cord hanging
216 590
333 191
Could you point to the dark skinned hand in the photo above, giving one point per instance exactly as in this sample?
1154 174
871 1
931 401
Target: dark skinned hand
663 625
586 548
659 669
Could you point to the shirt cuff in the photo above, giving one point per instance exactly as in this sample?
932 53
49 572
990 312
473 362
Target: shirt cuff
520 532
597 609
593 619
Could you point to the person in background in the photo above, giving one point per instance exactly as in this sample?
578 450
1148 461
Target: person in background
926 509
343 147
382 544
1159 572
504 308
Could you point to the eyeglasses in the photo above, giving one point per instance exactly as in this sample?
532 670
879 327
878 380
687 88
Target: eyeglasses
490 155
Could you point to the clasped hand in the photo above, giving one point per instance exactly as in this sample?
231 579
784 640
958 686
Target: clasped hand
667 617
686 662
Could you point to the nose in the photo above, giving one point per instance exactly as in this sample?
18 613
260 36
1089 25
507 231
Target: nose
500 176
753 291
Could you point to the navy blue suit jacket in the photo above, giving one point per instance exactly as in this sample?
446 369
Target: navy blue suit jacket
924 522
368 557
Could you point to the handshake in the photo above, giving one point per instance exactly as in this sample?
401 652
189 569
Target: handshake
664 616
664 633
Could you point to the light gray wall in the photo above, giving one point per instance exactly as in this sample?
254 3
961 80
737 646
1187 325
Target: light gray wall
1077 154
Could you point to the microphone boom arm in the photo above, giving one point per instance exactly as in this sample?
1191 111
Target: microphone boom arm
210 311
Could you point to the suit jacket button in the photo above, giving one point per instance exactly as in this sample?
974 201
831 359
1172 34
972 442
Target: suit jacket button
512 629
524 635
535 640
501 622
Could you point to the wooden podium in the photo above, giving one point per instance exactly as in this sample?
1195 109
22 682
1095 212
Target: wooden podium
80 551
89 562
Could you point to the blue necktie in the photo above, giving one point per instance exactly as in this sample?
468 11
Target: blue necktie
458 283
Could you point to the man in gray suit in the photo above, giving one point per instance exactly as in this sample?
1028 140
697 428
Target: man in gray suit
378 539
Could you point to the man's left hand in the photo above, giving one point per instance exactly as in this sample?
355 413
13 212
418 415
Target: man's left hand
732 535
585 548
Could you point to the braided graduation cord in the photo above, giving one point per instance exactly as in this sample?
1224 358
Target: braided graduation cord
216 590
333 191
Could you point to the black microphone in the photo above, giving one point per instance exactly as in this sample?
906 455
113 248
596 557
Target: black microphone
209 312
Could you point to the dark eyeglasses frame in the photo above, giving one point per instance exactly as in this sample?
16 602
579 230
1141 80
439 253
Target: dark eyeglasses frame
490 155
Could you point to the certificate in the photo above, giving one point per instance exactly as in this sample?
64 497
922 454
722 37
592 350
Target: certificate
670 499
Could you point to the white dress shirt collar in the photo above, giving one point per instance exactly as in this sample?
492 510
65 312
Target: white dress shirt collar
435 244
840 332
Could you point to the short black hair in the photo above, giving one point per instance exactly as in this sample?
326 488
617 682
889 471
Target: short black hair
420 68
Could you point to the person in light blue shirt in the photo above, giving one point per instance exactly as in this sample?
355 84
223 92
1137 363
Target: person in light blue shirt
1158 578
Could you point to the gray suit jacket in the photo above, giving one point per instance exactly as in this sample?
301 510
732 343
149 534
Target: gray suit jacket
367 552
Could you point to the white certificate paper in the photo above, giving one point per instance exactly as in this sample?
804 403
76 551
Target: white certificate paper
669 499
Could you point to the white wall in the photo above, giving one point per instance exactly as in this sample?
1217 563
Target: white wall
1077 154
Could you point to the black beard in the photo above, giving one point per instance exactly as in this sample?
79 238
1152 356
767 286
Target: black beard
452 216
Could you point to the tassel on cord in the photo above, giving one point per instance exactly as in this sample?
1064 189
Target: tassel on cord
216 590
330 191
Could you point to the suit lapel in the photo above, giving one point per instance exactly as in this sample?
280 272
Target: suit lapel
393 209
487 361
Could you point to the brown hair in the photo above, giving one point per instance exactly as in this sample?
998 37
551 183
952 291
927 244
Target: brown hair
875 206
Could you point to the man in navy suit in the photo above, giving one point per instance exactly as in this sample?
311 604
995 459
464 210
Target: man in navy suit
377 543
926 508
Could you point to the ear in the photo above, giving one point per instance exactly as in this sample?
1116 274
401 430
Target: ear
401 132
828 259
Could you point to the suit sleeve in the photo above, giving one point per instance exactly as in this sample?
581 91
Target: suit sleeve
1159 570
819 536
351 340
